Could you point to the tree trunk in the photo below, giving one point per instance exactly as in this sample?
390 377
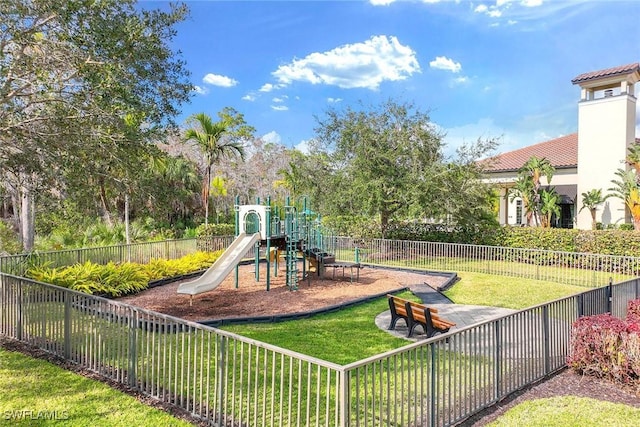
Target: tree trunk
104 207
126 219
384 223
27 218
205 195
636 223
593 219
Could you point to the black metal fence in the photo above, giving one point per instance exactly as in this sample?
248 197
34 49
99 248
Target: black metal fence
231 380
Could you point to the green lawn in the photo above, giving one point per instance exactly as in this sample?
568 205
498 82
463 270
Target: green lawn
341 337
349 335
506 292
35 392
569 411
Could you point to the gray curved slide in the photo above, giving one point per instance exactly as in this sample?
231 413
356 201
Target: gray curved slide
220 269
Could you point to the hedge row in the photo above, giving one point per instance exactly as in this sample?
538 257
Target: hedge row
607 347
608 242
116 280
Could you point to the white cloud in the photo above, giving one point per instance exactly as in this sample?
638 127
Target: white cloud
249 97
200 90
444 63
357 65
280 99
511 7
334 100
272 137
267 87
279 107
461 80
218 80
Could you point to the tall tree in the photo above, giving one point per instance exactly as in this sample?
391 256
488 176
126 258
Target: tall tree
534 169
217 141
82 80
383 155
626 188
591 200
549 206
466 200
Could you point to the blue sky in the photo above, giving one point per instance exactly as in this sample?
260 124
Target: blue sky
479 68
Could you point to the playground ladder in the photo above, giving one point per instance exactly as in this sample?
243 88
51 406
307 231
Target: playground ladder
293 237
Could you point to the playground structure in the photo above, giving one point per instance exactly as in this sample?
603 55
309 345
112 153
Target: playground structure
291 232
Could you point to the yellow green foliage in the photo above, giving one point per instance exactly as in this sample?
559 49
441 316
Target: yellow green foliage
115 280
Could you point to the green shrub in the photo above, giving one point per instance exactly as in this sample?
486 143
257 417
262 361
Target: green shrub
358 227
606 242
553 239
215 230
116 280
606 347
9 241
484 234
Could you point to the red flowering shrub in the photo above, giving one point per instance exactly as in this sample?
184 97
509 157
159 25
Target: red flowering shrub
633 311
606 347
595 344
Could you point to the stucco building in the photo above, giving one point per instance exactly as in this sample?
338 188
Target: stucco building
584 160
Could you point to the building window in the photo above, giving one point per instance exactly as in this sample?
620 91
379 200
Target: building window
519 212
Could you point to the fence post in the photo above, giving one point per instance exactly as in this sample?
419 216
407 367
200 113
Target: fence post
19 314
343 398
498 360
547 347
433 408
221 367
580 307
610 295
67 325
133 349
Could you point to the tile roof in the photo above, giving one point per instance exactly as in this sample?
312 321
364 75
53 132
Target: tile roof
594 75
561 152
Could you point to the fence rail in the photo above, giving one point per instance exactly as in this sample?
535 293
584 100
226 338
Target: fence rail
581 269
235 381
136 252
218 376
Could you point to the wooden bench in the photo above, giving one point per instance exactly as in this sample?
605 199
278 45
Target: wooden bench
415 314
428 318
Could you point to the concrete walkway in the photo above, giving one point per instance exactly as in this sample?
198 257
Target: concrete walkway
461 315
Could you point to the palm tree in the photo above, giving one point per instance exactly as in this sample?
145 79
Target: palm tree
626 188
549 206
216 141
523 189
633 158
590 200
535 168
